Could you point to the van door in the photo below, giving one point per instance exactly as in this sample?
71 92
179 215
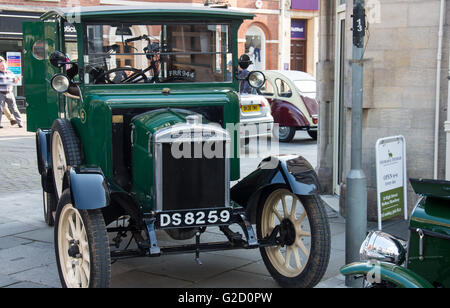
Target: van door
42 108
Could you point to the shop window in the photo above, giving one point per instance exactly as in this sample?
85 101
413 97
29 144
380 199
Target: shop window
284 90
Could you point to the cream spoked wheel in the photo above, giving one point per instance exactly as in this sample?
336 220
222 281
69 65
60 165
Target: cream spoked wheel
59 162
284 209
81 246
73 248
303 236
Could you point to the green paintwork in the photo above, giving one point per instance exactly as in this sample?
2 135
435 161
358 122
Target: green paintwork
95 133
432 188
42 101
91 113
431 214
400 276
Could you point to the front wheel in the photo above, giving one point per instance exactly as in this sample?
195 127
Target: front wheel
81 246
301 258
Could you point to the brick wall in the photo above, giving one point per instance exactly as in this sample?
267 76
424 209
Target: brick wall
267 22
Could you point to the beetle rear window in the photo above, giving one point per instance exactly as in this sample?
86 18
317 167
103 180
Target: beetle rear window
163 53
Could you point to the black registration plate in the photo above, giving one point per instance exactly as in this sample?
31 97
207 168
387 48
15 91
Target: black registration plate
193 218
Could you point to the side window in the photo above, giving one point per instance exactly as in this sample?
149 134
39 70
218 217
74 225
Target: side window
71 44
267 89
284 90
70 41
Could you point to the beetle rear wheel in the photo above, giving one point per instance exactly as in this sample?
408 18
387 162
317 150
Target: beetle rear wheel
284 133
301 258
312 134
81 246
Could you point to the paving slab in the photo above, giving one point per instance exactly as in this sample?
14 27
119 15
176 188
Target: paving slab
14 227
25 257
46 275
6 281
45 235
237 279
138 279
11 241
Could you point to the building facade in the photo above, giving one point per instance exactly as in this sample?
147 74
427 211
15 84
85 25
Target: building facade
283 34
405 89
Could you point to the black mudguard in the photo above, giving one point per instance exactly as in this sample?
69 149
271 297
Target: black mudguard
44 159
289 171
88 188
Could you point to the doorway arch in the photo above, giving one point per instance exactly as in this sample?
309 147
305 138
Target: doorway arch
255 47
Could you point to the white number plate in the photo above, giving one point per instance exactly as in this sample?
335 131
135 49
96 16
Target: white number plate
193 218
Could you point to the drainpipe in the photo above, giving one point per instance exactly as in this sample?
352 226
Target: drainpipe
438 90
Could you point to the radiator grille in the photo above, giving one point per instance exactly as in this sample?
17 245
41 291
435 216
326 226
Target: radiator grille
192 183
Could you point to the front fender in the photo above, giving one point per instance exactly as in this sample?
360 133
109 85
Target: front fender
290 171
88 189
44 162
400 276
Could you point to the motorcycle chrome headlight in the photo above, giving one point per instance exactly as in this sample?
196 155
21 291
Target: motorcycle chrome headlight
383 247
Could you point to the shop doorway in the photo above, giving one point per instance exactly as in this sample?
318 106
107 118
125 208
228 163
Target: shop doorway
339 115
255 47
298 55
298 45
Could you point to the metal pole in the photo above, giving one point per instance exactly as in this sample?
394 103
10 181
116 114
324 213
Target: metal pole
356 195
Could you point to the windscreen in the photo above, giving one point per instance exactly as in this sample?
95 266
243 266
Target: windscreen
157 53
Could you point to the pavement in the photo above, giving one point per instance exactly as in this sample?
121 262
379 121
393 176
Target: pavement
27 258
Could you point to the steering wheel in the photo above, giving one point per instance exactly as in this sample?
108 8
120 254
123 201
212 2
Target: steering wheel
124 78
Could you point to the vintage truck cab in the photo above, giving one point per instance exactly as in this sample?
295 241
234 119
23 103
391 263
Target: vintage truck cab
137 120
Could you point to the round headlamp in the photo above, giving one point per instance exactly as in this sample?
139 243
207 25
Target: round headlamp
60 83
256 79
383 247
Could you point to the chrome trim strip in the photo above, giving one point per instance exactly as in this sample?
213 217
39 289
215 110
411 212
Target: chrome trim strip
158 175
227 173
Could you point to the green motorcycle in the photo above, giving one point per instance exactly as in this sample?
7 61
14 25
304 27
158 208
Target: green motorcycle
421 262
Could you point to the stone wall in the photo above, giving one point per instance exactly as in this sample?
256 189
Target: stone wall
399 88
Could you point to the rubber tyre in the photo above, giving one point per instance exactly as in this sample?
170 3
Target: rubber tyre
312 134
96 238
49 205
319 254
286 136
71 150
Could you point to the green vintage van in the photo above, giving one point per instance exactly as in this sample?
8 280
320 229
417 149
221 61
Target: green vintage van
137 132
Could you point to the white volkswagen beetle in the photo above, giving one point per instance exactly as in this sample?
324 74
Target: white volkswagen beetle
292 97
